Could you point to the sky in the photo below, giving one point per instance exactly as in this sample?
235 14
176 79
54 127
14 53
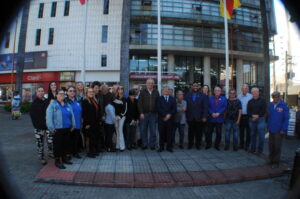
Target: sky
288 38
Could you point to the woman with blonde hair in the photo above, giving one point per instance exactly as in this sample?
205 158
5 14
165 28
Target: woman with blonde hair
120 104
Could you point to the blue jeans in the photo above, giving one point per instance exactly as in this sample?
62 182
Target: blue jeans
180 128
149 122
231 124
257 129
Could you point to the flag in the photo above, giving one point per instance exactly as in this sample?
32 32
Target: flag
82 2
230 5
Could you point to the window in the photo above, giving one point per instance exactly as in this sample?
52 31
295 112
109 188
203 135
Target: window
41 10
67 8
51 36
7 39
104 34
38 37
105 7
53 9
103 61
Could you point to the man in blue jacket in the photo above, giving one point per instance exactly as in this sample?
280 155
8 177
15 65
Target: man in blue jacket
277 126
217 105
166 108
196 113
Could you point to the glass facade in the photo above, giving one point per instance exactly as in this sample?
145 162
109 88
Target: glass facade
199 10
202 37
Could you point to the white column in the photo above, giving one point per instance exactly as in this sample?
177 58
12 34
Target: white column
171 69
206 70
239 75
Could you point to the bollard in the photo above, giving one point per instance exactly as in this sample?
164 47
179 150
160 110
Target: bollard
296 169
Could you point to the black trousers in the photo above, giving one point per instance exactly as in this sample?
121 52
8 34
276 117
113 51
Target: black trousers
91 134
244 126
75 137
100 140
165 133
275 142
195 133
61 143
109 132
211 127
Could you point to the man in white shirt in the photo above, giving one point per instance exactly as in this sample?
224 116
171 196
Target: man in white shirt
245 97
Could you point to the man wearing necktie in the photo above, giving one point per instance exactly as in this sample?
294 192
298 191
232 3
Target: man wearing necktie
166 108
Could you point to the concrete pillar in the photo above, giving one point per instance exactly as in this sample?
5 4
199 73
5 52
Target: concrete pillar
171 69
239 75
206 70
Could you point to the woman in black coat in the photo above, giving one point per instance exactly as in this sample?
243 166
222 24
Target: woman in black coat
91 115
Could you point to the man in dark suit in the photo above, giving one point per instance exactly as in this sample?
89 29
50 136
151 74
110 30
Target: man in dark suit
196 113
166 108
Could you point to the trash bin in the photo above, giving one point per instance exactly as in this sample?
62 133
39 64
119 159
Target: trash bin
296 169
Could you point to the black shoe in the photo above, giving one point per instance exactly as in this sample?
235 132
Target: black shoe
226 148
170 150
180 146
90 156
43 161
235 148
122 150
190 147
160 150
152 148
59 165
217 148
67 161
198 147
207 147
77 156
144 147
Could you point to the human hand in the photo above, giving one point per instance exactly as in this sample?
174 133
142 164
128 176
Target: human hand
142 116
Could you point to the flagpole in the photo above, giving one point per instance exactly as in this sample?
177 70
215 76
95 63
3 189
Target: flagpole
158 47
226 49
84 45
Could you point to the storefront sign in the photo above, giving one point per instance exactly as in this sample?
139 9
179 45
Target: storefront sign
31 77
32 60
165 77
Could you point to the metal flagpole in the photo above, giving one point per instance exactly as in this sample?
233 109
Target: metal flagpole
158 47
226 49
84 45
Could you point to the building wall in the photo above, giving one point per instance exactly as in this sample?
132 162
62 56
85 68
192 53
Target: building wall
66 53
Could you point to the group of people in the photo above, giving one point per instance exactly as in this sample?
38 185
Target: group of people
75 119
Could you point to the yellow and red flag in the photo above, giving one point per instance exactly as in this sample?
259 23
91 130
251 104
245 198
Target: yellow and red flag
230 6
82 2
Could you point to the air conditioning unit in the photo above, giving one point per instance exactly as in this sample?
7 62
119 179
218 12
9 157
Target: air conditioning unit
146 2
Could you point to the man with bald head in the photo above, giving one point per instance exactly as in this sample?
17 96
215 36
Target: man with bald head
256 110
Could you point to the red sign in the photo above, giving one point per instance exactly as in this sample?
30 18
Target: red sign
31 77
166 77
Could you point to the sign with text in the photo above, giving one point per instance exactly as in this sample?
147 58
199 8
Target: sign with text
32 60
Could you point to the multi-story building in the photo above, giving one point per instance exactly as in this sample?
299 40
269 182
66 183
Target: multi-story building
56 46
121 41
193 42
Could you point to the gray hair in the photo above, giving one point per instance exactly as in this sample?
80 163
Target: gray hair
245 86
179 92
276 94
254 89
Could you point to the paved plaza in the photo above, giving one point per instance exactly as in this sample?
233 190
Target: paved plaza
182 174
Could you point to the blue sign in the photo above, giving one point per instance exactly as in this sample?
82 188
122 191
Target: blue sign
6 62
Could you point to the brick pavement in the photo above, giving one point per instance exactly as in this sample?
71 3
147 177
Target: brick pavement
149 168
17 144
